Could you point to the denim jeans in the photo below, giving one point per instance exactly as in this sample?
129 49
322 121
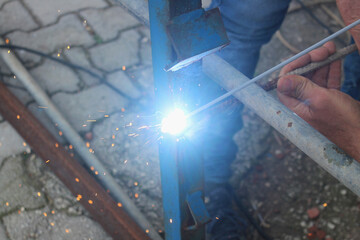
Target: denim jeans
249 24
351 84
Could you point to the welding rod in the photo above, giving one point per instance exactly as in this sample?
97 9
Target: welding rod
73 137
271 70
272 83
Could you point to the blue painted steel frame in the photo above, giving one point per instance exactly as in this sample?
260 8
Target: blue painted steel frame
181 165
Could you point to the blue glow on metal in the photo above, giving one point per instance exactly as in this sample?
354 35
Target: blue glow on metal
174 123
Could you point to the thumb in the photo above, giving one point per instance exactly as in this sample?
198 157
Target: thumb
296 93
297 87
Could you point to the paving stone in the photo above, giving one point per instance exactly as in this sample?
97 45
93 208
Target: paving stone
58 226
16 87
108 22
40 113
131 154
82 108
3 67
47 11
15 189
10 141
3 1
54 77
145 47
144 76
13 16
68 31
56 191
3 233
78 56
122 82
121 52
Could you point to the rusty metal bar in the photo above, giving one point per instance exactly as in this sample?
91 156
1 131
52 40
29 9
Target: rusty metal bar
83 186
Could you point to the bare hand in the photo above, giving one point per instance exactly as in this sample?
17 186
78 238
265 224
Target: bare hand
320 103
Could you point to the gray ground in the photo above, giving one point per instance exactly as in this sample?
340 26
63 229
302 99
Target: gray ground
269 171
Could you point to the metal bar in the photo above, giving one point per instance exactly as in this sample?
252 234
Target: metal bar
73 137
82 185
176 156
310 141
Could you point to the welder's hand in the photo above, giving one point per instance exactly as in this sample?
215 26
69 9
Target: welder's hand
319 102
350 12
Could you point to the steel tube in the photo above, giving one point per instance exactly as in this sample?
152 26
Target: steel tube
74 138
306 138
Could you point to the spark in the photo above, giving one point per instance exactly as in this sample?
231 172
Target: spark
24 144
119 205
7 41
136 183
67 230
60 133
92 168
53 212
70 146
9 52
79 197
68 47
52 224
170 220
39 194
325 204
90 202
47 161
45 214
122 109
174 123
106 116
7 204
96 172
18 116
147 231
56 145
113 136
87 144
136 195
123 68
77 180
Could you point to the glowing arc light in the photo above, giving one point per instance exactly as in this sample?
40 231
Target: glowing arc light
174 123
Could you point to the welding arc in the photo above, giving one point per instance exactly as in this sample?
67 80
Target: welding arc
270 71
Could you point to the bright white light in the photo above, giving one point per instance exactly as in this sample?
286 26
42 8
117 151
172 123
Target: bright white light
174 123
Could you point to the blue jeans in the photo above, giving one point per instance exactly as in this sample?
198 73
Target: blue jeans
351 84
249 24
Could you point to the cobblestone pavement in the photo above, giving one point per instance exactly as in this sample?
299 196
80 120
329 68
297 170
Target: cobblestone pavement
99 35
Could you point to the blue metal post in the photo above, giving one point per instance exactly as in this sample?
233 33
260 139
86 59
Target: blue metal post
181 165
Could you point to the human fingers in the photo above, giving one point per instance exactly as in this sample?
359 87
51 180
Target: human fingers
297 93
334 76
